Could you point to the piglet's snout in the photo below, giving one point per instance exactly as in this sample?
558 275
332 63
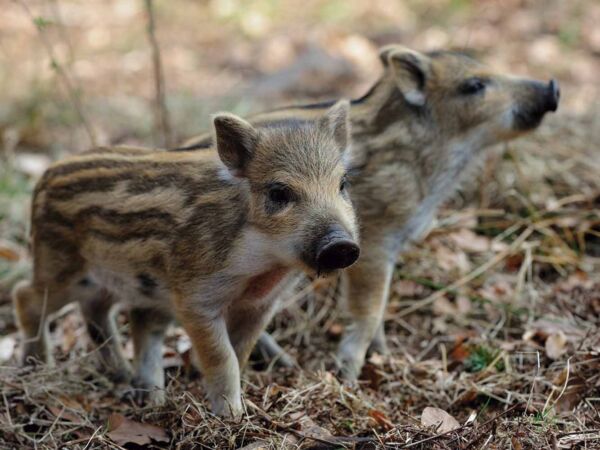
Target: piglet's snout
336 250
552 95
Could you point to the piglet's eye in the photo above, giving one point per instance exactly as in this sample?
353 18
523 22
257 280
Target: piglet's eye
472 86
280 194
344 184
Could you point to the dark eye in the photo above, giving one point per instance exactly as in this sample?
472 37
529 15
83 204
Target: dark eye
344 184
472 86
280 194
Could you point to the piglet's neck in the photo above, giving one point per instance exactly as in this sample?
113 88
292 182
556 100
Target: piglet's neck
261 285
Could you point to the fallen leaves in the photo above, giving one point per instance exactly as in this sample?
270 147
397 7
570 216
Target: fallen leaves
409 288
126 431
305 427
7 347
472 242
9 252
255 446
570 389
381 419
556 345
439 419
554 334
451 260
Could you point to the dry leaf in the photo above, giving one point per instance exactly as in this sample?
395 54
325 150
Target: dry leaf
470 242
556 345
382 420
408 288
450 260
310 428
463 303
64 413
8 252
498 289
573 394
7 347
123 430
255 446
440 419
440 325
370 373
513 262
460 352
444 307
515 443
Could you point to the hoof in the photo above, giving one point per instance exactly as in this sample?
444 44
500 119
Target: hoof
348 366
231 410
142 393
378 346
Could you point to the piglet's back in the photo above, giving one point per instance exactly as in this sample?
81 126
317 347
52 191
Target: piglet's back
135 203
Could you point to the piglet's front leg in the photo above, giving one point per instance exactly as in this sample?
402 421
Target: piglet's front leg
217 360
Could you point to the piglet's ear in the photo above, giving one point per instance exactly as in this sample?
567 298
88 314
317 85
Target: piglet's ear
386 51
337 122
236 142
410 69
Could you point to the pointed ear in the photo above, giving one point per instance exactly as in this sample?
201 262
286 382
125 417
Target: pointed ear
410 69
337 122
236 141
385 51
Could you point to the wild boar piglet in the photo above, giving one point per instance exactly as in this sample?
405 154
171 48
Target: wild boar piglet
207 238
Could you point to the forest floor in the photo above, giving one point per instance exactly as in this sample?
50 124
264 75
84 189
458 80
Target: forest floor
493 320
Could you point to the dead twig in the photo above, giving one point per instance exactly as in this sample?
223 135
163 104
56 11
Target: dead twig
161 112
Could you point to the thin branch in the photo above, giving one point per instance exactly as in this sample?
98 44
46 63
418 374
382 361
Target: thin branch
61 72
62 30
161 112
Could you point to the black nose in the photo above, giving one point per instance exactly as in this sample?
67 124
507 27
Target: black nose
336 251
553 95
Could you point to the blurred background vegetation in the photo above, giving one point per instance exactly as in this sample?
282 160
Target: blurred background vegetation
246 56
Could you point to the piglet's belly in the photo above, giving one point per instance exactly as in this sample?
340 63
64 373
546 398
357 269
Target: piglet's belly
262 285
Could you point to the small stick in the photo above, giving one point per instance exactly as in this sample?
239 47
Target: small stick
574 433
161 112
